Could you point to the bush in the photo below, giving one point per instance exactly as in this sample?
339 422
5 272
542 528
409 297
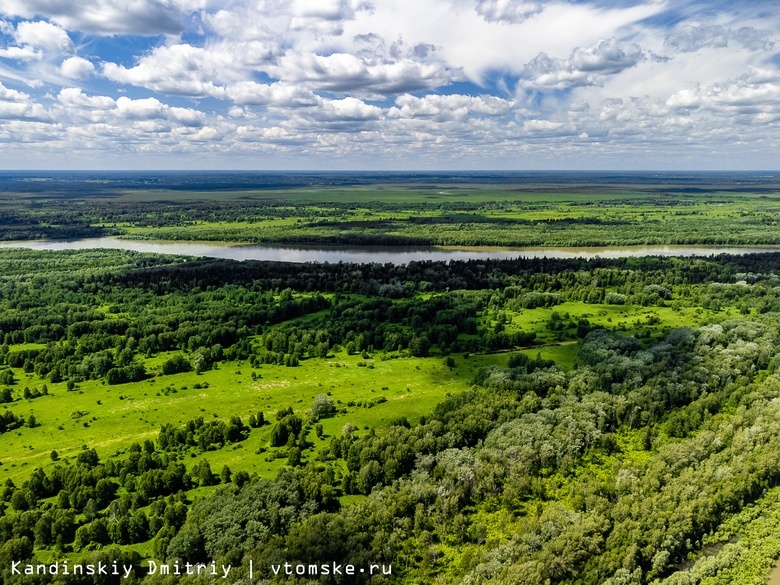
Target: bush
323 407
176 365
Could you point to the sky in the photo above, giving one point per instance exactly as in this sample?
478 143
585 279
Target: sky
390 84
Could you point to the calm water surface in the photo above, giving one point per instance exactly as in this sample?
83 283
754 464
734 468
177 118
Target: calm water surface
395 255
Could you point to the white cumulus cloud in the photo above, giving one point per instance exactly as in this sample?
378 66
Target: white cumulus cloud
349 109
275 94
43 35
143 17
585 66
344 72
17 105
396 81
507 10
76 68
449 107
74 97
180 69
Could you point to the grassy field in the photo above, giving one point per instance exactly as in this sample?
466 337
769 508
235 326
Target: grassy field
110 418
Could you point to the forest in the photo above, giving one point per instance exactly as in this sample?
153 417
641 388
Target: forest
562 421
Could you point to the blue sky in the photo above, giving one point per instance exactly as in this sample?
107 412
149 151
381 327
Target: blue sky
389 84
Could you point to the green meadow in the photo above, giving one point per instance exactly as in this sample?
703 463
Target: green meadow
367 393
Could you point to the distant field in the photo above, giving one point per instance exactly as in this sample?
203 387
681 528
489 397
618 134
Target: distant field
484 215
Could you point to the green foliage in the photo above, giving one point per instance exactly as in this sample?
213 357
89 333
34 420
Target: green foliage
323 407
616 468
615 299
175 365
202 474
7 377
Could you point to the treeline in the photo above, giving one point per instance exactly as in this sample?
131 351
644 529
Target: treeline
399 280
116 272
486 216
255 209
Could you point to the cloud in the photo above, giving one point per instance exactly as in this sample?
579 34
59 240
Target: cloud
729 101
21 54
689 38
143 109
324 17
186 117
466 42
322 9
16 105
752 39
11 95
43 35
449 107
349 109
73 97
36 41
76 106
275 94
343 117
542 126
684 99
584 67
142 17
756 91
404 82
177 70
510 11
346 73
76 68
254 21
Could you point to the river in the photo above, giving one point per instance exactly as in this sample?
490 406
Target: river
381 254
